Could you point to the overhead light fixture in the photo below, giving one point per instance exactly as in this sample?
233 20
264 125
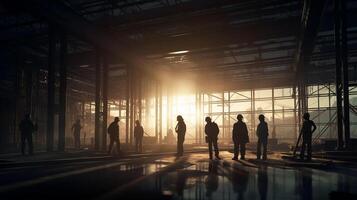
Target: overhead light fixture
178 52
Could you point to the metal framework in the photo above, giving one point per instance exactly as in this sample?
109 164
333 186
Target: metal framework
127 57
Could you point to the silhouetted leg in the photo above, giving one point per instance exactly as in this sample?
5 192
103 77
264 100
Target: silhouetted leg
259 148
29 140
136 145
265 145
216 150
77 141
118 145
141 145
178 146
110 146
235 150
309 148
23 144
302 152
180 141
242 151
181 153
210 148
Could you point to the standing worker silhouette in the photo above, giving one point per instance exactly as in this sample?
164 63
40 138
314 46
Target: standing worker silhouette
308 128
262 134
212 131
113 131
181 131
240 138
138 134
26 128
76 128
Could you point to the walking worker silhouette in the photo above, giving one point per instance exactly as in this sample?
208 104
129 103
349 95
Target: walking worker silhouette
307 129
240 138
27 128
76 128
262 134
212 131
113 131
181 131
138 134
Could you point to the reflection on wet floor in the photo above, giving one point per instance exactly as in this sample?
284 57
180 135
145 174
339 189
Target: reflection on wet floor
95 180
144 169
193 176
204 179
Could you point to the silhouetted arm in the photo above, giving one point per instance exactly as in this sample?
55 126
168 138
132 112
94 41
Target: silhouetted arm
246 131
258 130
233 132
313 126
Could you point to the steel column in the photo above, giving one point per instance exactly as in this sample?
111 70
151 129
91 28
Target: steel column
127 99
223 116
156 110
140 97
229 114
252 112
132 117
97 99
338 74
344 57
51 87
63 93
160 113
105 103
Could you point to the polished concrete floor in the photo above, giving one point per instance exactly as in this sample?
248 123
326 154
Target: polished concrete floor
164 176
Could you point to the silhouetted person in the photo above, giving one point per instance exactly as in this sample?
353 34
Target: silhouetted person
138 134
212 131
26 128
262 134
240 138
181 131
113 131
76 128
308 128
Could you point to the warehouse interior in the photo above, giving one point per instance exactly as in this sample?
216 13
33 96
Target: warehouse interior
152 60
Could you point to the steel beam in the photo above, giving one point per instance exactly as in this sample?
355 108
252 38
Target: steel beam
66 18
